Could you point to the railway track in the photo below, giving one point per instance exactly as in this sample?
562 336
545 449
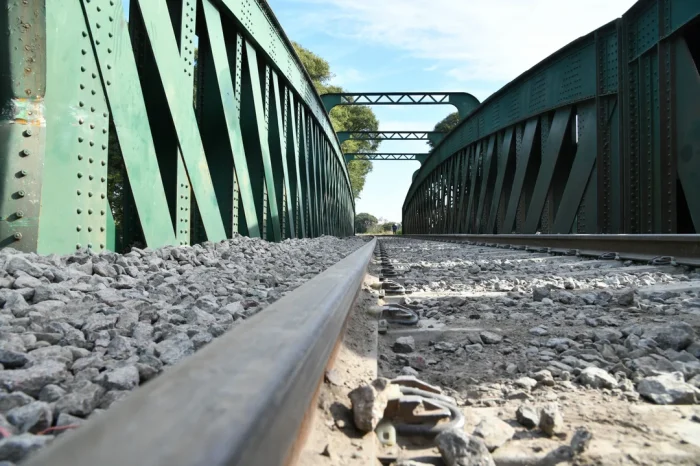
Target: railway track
484 329
512 332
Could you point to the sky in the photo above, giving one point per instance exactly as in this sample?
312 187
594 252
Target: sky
473 46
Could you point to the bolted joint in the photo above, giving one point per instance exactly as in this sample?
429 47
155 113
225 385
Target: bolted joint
25 152
17 236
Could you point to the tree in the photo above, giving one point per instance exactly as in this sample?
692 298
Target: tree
385 227
446 125
343 118
364 222
317 67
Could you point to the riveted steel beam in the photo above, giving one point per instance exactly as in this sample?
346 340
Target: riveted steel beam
385 156
23 79
433 136
463 101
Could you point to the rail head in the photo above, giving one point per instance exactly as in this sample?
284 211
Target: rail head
241 400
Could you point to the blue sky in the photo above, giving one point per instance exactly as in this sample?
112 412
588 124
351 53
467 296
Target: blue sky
475 46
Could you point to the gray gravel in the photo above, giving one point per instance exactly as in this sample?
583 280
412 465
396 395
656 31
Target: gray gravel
598 323
78 332
537 336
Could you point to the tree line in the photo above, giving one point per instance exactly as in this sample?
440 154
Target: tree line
368 223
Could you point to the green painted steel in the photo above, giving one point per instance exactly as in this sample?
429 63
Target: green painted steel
433 136
505 150
195 148
522 161
488 159
580 174
183 191
278 135
230 106
23 64
384 156
601 137
74 190
167 57
464 102
256 110
550 154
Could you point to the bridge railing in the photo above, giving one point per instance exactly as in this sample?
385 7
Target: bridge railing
601 137
187 121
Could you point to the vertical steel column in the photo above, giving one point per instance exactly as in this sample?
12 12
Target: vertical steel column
294 167
463 190
474 162
305 202
183 192
23 69
313 156
278 136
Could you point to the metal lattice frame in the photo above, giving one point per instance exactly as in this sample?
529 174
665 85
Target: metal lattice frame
464 102
434 136
255 154
601 137
385 156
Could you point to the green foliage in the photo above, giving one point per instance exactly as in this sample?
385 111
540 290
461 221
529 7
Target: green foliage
343 118
383 228
364 222
358 170
446 125
317 67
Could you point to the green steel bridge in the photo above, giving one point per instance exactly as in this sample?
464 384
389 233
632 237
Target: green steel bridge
113 134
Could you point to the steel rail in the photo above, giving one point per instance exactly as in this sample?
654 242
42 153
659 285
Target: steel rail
241 400
685 249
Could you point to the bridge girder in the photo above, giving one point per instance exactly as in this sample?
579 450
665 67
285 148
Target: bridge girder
102 142
386 156
464 102
603 136
434 136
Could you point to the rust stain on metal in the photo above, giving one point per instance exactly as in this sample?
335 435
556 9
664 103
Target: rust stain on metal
27 112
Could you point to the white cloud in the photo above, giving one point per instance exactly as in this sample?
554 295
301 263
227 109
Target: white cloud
348 77
489 39
431 68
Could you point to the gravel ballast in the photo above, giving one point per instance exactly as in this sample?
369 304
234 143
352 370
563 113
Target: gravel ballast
551 345
78 332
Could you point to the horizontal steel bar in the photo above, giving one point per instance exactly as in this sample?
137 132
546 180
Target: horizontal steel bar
463 101
384 156
394 98
685 249
388 135
240 400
